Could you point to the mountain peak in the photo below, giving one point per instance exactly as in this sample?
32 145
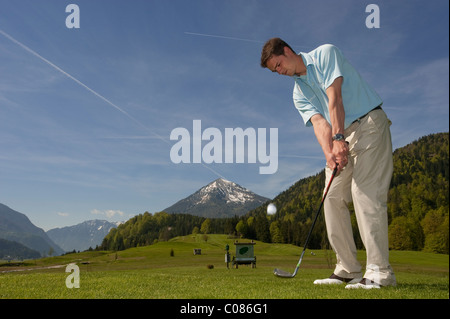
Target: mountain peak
221 181
220 198
226 190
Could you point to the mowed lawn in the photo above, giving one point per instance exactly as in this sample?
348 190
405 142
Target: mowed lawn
170 270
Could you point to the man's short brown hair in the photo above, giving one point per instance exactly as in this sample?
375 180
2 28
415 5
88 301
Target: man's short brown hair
274 46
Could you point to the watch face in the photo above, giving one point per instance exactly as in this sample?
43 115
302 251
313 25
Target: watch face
338 137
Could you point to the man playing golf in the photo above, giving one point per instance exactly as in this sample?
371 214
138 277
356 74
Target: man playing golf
354 134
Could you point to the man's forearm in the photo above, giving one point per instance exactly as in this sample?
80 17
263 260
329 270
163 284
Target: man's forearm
337 116
322 130
336 107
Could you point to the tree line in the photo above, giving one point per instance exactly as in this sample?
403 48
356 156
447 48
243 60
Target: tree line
147 229
418 209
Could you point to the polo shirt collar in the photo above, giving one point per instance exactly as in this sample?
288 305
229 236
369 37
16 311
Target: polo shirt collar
307 60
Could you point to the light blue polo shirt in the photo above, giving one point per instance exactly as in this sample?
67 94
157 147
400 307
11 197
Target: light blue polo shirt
324 65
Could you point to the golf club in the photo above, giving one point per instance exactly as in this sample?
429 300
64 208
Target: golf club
285 274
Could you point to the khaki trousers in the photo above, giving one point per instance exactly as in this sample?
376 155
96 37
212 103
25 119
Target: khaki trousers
365 182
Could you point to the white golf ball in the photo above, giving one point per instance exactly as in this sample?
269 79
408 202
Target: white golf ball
271 209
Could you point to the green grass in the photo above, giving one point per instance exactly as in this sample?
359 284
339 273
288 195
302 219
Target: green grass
151 273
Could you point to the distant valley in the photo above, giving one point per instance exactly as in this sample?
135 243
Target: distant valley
22 239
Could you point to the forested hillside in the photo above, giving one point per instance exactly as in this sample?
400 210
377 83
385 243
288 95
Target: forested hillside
418 209
418 198
12 250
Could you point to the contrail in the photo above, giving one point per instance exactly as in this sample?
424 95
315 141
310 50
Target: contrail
240 39
302 47
80 83
6 35
222 37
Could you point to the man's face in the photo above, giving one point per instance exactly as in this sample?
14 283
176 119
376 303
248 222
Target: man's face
282 64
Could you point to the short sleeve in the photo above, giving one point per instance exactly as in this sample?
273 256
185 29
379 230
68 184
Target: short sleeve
330 63
304 107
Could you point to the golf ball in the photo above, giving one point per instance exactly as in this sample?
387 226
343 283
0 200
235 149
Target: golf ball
271 209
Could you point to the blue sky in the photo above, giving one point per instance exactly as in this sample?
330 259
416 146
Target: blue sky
86 114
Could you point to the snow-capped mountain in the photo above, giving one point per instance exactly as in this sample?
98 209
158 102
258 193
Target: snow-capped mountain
220 198
81 236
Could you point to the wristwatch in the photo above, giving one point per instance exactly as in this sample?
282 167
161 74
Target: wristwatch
338 137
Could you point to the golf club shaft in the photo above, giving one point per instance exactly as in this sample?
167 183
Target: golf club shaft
318 211
308 237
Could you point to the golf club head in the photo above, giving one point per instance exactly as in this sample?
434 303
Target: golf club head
282 273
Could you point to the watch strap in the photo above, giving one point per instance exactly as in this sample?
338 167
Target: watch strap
338 137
